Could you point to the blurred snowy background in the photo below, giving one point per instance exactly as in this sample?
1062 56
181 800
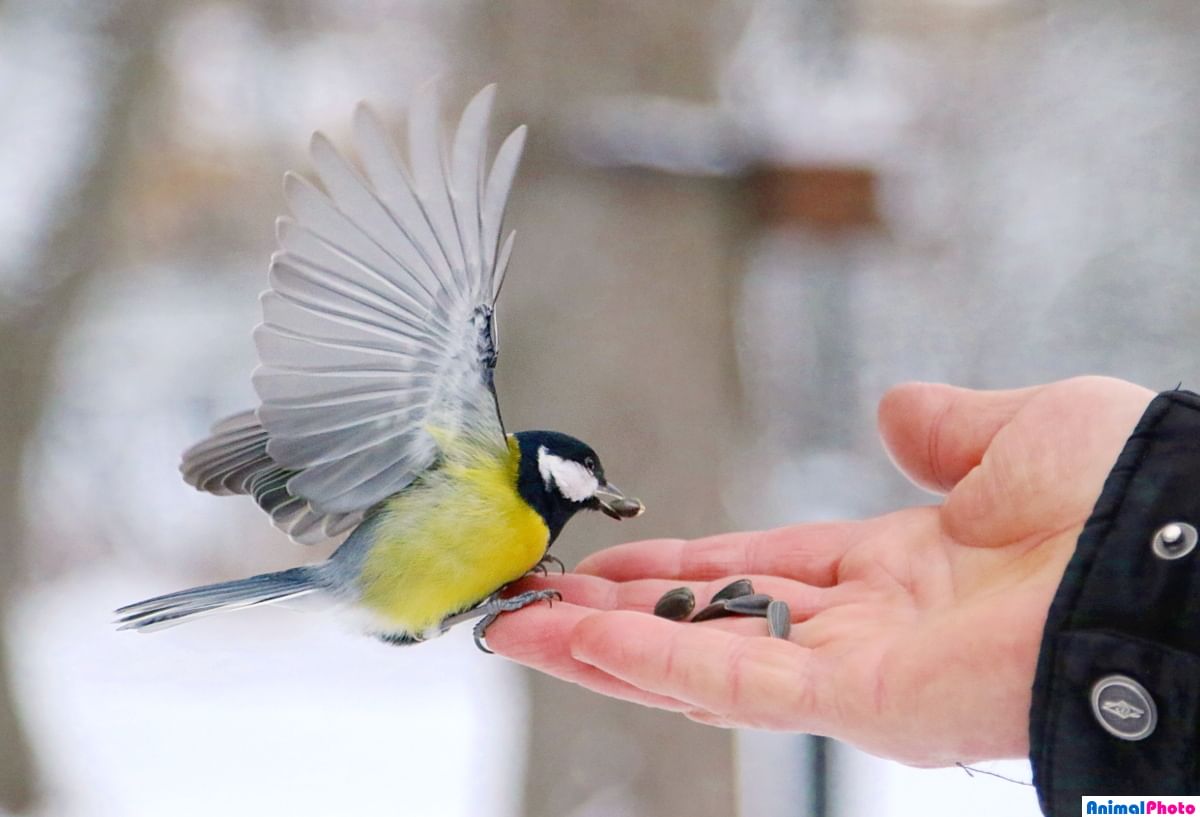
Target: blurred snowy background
739 223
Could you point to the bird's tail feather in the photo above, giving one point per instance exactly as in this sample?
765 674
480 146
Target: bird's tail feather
174 608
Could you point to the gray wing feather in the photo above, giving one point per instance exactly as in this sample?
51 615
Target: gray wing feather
378 324
502 265
234 460
395 190
495 196
466 168
305 250
429 177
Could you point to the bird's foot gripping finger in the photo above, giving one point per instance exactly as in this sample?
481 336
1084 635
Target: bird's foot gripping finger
491 609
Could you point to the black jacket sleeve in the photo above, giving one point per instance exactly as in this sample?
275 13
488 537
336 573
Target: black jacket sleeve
1116 698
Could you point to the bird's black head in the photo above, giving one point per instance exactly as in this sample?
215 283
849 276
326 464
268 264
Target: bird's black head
560 476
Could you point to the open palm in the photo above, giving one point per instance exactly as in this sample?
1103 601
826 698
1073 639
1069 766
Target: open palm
916 633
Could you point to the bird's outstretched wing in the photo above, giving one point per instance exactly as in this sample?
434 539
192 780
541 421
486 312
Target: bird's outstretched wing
378 326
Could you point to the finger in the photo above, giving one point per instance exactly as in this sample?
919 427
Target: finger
1045 473
642 595
808 553
936 433
538 636
753 681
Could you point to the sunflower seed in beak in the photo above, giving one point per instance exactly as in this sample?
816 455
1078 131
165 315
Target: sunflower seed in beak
616 505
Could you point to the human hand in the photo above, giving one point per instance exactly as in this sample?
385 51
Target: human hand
917 632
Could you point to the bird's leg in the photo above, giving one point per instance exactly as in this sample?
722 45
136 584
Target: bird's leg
490 609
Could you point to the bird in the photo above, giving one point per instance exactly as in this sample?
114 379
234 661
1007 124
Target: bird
377 409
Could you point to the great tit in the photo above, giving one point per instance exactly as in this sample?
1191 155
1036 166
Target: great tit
377 407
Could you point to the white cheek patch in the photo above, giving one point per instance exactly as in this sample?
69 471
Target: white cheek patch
573 481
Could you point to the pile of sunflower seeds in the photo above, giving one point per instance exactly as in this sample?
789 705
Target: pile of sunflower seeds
734 599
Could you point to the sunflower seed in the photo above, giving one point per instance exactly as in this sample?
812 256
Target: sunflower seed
741 587
779 619
712 611
753 605
676 604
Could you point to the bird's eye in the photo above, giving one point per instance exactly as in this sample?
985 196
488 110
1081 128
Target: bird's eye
589 463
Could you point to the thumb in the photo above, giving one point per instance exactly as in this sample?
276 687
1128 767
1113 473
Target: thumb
937 433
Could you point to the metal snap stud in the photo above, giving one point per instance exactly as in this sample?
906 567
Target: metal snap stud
1174 540
1124 708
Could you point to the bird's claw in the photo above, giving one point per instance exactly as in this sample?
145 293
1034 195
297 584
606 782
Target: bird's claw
541 567
496 606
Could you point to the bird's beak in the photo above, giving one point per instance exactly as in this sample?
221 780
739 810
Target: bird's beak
616 504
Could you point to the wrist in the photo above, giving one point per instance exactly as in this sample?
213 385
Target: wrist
1117 686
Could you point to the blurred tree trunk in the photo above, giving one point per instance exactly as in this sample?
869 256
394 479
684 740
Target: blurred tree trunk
72 255
641 364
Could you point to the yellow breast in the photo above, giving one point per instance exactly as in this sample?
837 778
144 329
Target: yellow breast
454 537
